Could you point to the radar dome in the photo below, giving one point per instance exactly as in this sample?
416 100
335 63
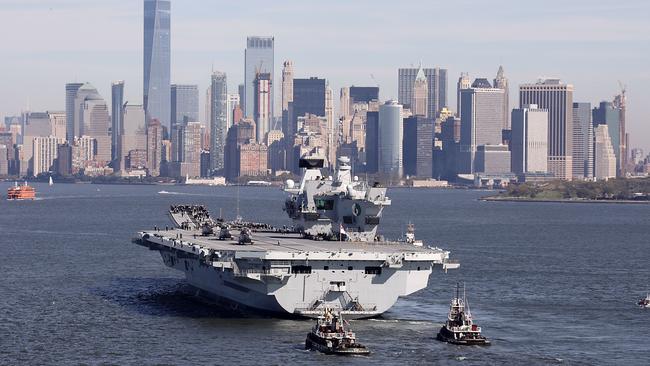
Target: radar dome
290 183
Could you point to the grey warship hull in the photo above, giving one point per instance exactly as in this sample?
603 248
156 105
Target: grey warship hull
297 277
330 258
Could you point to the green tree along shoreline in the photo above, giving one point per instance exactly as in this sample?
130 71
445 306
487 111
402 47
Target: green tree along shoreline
621 189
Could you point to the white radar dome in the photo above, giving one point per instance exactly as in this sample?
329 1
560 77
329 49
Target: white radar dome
290 183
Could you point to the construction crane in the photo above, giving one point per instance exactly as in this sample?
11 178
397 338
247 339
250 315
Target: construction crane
375 80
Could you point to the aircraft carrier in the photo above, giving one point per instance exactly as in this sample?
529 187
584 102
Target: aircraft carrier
331 256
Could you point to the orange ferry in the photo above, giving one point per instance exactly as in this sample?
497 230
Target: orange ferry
23 192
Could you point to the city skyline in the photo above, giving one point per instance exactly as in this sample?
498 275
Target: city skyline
573 43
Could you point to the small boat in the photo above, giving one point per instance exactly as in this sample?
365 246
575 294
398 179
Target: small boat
460 328
23 192
645 303
51 183
331 335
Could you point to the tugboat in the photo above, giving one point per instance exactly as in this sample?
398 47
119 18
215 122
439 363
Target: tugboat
331 336
23 192
645 303
459 328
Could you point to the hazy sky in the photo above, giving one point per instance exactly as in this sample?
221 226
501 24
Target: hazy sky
588 43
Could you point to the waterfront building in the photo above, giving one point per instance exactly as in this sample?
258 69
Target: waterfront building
437 88
501 82
154 146
134 132
262 104
418 147
583 141
94 122
605 158
529 144
64 159
184 103
391 135
557 98
218 121
4 160
157 61
70 96
117 101
331 134
253 159
83 153
44 153
481 121
258 58
492 159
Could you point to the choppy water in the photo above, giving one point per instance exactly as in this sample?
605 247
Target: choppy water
550 283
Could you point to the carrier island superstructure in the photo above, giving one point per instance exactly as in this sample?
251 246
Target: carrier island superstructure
330 257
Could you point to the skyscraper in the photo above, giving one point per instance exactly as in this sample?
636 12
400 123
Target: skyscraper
308 97
134 131
418 146
363 94
258 58
391 136
557 98
70 95
232 103
481 121
262 104
419 100
529 144
605 159
44 153
184 103
117 101
372 142
157 51
436 81
92 120
583 141
620 104
154 147
218 121
464 82
287 84
609 114
500 82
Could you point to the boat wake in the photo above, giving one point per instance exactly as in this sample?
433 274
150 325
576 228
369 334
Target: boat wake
178 193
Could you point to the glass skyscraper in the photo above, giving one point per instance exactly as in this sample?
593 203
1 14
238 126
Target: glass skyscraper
184 104
218 121
258 59
156 96
117 101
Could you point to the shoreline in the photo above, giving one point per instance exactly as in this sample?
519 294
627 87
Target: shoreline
514 199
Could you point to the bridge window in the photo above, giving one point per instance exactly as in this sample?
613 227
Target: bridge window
373 270
301 269
324 204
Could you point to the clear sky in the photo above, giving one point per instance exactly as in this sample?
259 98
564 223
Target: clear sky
589 43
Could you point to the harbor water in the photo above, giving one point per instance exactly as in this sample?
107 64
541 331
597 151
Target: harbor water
550 283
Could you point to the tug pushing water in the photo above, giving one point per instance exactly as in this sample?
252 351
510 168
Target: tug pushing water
330 258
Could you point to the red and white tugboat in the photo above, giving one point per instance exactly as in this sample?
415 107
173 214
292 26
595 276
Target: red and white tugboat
645 303
331 335
460 328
